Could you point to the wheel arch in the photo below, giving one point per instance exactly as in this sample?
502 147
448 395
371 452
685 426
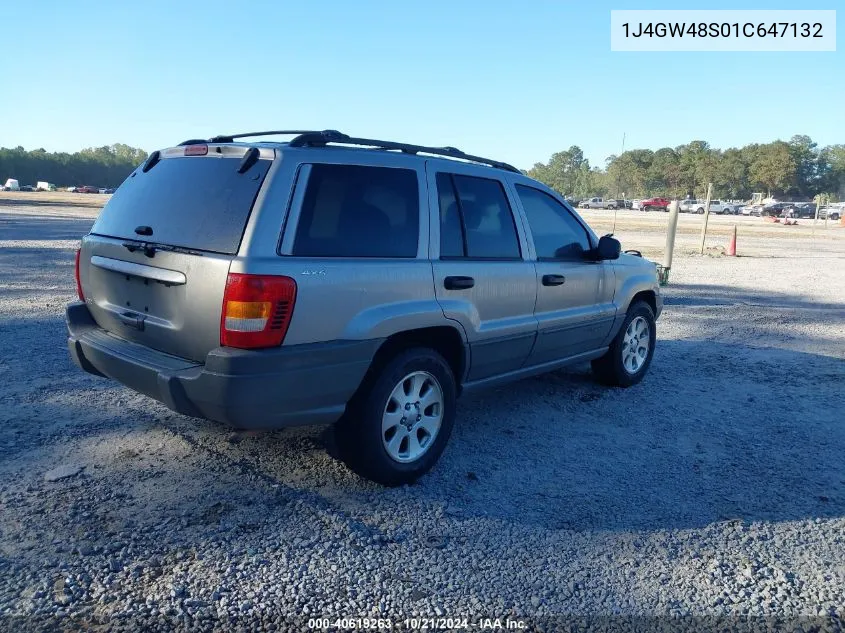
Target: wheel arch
447 340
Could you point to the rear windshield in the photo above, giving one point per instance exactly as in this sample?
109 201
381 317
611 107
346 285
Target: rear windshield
194 202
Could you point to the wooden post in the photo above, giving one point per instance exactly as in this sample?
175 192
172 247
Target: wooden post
706 217
670 234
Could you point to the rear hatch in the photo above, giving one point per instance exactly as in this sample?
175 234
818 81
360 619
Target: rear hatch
154 266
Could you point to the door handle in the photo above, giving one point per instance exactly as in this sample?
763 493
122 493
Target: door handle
553 280
458 283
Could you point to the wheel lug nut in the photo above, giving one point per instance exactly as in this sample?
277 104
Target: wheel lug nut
419 417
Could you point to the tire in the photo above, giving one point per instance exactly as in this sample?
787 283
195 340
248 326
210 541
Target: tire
699 211
611 369
363 441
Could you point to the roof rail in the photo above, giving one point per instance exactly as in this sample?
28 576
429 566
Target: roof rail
317 139
228 138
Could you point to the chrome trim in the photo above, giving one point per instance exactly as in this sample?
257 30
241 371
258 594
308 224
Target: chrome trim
163 275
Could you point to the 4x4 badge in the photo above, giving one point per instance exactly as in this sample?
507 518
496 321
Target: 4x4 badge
313 272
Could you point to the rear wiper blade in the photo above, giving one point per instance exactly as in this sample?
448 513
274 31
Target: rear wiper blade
150 248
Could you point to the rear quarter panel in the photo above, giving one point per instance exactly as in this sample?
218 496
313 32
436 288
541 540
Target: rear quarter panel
338 298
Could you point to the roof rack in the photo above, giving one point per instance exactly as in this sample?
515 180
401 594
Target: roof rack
318 139
229 138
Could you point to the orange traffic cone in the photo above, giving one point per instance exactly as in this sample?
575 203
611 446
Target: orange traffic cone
732 244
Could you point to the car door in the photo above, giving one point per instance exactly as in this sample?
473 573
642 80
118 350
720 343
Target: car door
482 275
575 309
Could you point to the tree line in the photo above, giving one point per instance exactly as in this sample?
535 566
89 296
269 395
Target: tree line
798 168
106 166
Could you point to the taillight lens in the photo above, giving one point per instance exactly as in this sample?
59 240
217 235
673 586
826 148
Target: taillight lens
256 310
76 274
196 150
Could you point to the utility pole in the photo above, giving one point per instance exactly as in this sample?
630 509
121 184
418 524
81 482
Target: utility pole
706 217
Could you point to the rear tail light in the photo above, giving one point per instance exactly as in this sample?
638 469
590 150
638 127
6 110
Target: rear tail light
76 274
256 310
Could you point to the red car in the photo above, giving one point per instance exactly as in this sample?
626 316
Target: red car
87 189
655 204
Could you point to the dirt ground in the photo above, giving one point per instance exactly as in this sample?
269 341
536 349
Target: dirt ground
716 487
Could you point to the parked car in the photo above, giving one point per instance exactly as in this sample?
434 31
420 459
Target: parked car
108 190
655 204
11 185
87 189
279 313
775 209
830 213
806 210
27 188
601 203
687 206
635 204
716 206
629 204
751 209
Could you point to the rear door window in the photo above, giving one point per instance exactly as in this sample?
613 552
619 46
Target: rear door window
476 220
359 211
198 202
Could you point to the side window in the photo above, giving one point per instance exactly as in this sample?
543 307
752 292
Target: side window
557 234
484 217
359 211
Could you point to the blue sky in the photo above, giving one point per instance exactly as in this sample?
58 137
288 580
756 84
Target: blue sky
513 81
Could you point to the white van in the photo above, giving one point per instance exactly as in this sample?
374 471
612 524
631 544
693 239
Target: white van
12 185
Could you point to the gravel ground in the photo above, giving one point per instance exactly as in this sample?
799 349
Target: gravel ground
716 487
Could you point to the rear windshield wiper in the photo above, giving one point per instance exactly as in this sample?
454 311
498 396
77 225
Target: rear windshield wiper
150 248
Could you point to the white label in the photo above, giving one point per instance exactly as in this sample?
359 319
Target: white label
723 30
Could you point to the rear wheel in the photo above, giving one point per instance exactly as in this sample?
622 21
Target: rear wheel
629 356
396 429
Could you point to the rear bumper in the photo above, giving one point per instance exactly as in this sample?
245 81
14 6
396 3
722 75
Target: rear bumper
249 389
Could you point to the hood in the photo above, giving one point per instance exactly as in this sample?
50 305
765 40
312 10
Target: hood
634 261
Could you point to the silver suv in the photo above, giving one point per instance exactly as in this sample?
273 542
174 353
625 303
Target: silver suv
365 283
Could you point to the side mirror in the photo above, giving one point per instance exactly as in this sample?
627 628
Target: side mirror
608 248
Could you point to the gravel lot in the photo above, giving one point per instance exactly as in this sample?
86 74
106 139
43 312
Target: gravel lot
715 487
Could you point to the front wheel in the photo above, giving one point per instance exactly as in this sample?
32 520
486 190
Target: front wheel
629 356
396 428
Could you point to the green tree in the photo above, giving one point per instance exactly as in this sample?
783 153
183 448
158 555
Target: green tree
773 167
104 166
565 172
